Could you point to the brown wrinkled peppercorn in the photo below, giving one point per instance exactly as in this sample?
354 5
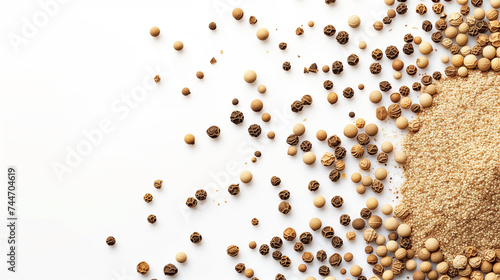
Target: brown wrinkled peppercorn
234 189
213 131
110 241
284 207
329 30
363 138
335 259
357 151
387 20
305 146
353 60
408 38
264 249
276 255
306 100
328 84
321 256
337 201
404 90
365 213
143 268
307 257
337 242
421 9
381 113
385 86
348 92
340 153
201 195
287 66
375 68
334 141
306 237
232 250
377 186
393 236
237 117
368 249
284 195
337 67
401 9
299 31
450 71
282 46
371 149
240 267
334 175
476 3
275 181
405 243
408 49
377 54
255 222
426 25
298 247
342 37
292 140
415 108
391 52
345 220
279 276
313 186
158 183
195 238
276 242
464 10
285 261
254 130
148 197
394 111
437 37
382 158
411 70
426 80
441 24
191 202
454 49
289 234
324 270
416 86
378 269
327 232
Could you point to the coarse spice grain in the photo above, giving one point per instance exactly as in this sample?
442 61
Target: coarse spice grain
452 167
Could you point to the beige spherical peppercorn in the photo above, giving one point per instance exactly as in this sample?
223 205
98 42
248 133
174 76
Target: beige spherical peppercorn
405 102
388 275
400 254
462 39
397 75
484 64
479 13
495 64
200 75
319 201
375 222
398 65
423 254
249 273
309 158
256 105
425 100
372 203
321 135
392 246
450 32
367 181
238 13
252 245
332 98
310 278
386 209
271 135
266 117
360 189
375 96
315 223
430 89
154 31
250 76
404 230
262 89
246 176
362 45
386 261
262 34
457 60
402 122
356 177
425 266
425 48
378 25
489 52
422 62
490 276
355 270
417 40
181 257
411 265
302 267
391 224
178 45
389 2
470 61
445 58
387 147
354 21
380 173
495 4
310 23
371 129
350 131
462 71
431 244
299 129
381 251
380 240
189 139
400 157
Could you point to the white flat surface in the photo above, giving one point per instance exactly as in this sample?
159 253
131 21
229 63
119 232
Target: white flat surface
81 66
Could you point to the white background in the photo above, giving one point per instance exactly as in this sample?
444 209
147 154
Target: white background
73 70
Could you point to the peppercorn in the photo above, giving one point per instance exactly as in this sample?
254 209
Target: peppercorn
345 220
426 25
348 93
305 146
337 67
284 195
328 84
287 66
201 195
285 261
232 250
324 270
411 70
234 189
401 9
298 247
329 30
276 255
375 68
264 249
352 59
365 213
110 241
299 31
392 52
306 237
195 237
342 37
240 267
408 49
237 117
340 153
254 130
255 222
327 232
284 207
282 46
321 255
335 259
143 268
337 242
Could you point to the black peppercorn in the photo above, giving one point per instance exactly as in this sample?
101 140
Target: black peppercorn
329 30
334 141
327 232
328 84
340 153
298 247
405 243
477 3
233 189
277 255
306 237
306 100
282 46
401 9
408 38
426 80
170 270
201 195
324 270
287 66
313 185
385 86
464 10
337 242
321 256
411 70
254 130
237 117
365 213
195 237
391 52
441 24
408 49
383 157
375 68
305 146
426 25
255 222
292 140
337 201
377 186
345 220
191 202
264 249
436 75
371 149
285 261
404 90
276 242
387 20
280 276
284 195
352 59
335 259
275 181
342 37
416 86
363 138
377 54
334 175
110 241
437 37
393 236
352 114
240 267
337 67
284 207
368 249
348 92
297 106
473 31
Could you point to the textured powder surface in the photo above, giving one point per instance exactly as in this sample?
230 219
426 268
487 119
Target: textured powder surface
452 173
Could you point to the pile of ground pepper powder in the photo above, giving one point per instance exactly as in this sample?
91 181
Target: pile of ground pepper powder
452 172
